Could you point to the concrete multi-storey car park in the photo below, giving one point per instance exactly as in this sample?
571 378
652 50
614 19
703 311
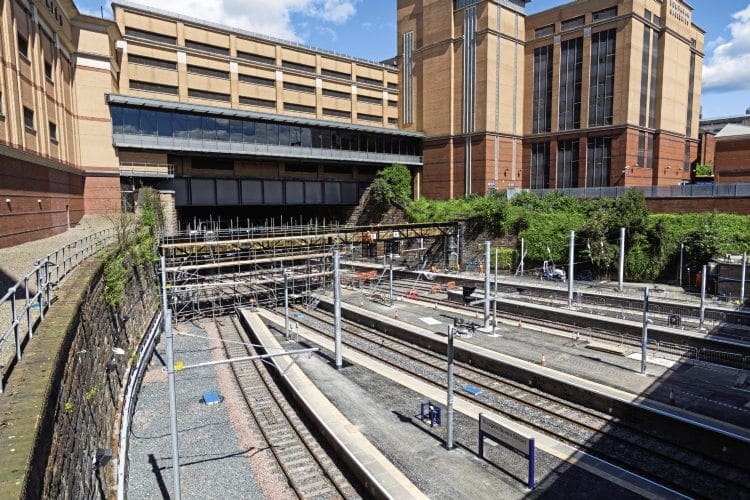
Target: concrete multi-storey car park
481 97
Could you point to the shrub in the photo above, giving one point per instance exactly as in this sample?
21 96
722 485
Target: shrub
391 185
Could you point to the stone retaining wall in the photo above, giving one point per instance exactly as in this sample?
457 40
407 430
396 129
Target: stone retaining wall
83 403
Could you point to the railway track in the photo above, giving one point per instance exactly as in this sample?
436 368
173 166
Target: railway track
599 434
675 350
599 306
309 468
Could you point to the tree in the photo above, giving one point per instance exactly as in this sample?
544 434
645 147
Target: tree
391 185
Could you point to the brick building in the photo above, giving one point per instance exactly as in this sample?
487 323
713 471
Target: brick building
590 93
480 97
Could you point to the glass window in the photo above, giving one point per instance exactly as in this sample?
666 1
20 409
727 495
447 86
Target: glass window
539 175
326 144
181 125
346 141
116 113
130 121
335 139
317 138
272 133
164 124
570 24
544 31
604 14
542 93
148 122
52 132
295 136
235 130
194 124
23 46
209 128
283 135
306 137
261 133
248 131
222 129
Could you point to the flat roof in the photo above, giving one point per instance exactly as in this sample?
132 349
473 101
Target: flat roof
229 29
144 102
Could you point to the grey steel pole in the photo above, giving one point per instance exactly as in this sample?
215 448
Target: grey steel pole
390 281
703 298
744 274
494 301
286 304
337 308
487 247
171 383
622 257
682 246
523 253
644 337
449 438
571 265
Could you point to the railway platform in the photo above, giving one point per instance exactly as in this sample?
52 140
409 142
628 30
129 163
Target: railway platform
383 402
704 390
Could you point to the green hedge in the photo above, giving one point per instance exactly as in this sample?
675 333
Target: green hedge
652 240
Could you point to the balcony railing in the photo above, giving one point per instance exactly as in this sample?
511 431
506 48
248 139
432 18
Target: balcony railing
160 170
739 190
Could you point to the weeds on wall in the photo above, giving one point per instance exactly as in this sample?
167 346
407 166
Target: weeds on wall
137 239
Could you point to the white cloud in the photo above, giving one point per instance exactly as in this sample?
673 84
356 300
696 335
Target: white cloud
268 17
728 68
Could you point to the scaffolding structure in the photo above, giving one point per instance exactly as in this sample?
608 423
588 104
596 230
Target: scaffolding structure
212 271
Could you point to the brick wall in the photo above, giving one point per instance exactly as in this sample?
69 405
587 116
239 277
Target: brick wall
42 201
45 201
680 205
732 160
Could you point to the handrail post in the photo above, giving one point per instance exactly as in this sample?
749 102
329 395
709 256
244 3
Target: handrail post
15 323
28 306
39 291
48 284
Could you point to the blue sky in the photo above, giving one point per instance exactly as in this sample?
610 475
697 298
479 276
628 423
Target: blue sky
367 29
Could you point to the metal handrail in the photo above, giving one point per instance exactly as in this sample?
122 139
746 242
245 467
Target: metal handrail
48 271
736 190
156 169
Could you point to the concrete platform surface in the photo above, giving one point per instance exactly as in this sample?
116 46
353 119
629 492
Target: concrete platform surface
385 402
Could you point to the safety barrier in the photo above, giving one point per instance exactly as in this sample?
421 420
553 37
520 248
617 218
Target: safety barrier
134 378
28 311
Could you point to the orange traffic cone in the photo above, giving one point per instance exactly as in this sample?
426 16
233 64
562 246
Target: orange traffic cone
543 362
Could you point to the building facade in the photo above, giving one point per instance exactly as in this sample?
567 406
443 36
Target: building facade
56 158
481 97
591 93
245 119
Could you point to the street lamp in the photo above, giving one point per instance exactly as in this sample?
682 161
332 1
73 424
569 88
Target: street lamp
682 247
